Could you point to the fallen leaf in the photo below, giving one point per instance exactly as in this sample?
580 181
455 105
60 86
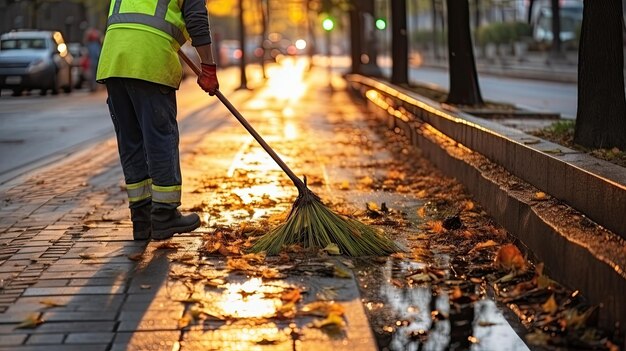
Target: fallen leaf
332 249
322 309
435 227
366 181
238 264
86 256
509 258
486 324
270 273
550 306
136 256
333 321
345 185
291 295
254 257
145 286
185 320
341 273
421 212
540 195
51 303
168 245
469 205
30 322
483 245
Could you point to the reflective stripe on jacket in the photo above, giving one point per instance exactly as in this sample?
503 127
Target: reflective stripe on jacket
142 40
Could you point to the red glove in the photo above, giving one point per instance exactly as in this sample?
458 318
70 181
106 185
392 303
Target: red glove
207 80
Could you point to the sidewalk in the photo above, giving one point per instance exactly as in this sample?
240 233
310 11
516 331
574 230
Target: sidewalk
73 279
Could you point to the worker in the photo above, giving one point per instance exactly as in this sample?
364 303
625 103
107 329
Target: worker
141 70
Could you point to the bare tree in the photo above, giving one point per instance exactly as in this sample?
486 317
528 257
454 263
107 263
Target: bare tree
601 115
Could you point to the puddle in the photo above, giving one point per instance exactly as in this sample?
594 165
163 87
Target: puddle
423 317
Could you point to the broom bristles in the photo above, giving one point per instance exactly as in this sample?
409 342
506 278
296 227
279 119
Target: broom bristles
313 225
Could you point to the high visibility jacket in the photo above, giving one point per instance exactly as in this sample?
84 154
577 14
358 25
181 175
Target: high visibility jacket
142 40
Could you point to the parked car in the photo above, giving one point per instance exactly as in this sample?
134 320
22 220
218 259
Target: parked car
35 59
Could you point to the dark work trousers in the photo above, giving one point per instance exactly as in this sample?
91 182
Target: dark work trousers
144 118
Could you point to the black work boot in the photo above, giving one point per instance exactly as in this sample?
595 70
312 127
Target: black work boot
167 222
142 224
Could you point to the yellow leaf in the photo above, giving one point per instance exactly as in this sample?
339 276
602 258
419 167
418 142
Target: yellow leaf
271 273
30 322
366 181
421 212
372 206
469 206
333 320
540 195
421 194
341 273
332 249
238 264
403 189
550 306
322 309
185 320
51 303
345 185
254 257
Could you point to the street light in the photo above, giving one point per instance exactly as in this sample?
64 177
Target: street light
381 24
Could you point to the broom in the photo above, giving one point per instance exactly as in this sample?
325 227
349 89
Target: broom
310 223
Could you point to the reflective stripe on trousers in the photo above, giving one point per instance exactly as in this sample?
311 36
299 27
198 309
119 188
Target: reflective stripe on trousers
139 191
166 194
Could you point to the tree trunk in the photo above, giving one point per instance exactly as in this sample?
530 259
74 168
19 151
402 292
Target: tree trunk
433 4
242 42
464 87
556 51
355 37
530 11
478 5
601 115
399 45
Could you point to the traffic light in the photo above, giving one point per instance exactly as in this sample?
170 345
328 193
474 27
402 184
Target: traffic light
381 24
328 24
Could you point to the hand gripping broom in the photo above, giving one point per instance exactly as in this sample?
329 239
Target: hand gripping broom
310 223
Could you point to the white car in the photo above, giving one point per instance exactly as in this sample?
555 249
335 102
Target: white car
35 60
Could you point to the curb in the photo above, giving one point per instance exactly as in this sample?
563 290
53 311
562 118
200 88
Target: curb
485 156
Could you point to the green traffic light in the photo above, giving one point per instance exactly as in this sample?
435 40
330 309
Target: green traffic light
381 24
328 24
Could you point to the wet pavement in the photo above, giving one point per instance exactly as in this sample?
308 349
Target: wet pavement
73 279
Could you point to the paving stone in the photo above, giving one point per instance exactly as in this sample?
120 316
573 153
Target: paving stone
64 347
63 316
89 338
47 283
71 327
85 290
15 339
45 339
146 340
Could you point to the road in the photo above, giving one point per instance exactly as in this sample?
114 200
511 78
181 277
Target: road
531 94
